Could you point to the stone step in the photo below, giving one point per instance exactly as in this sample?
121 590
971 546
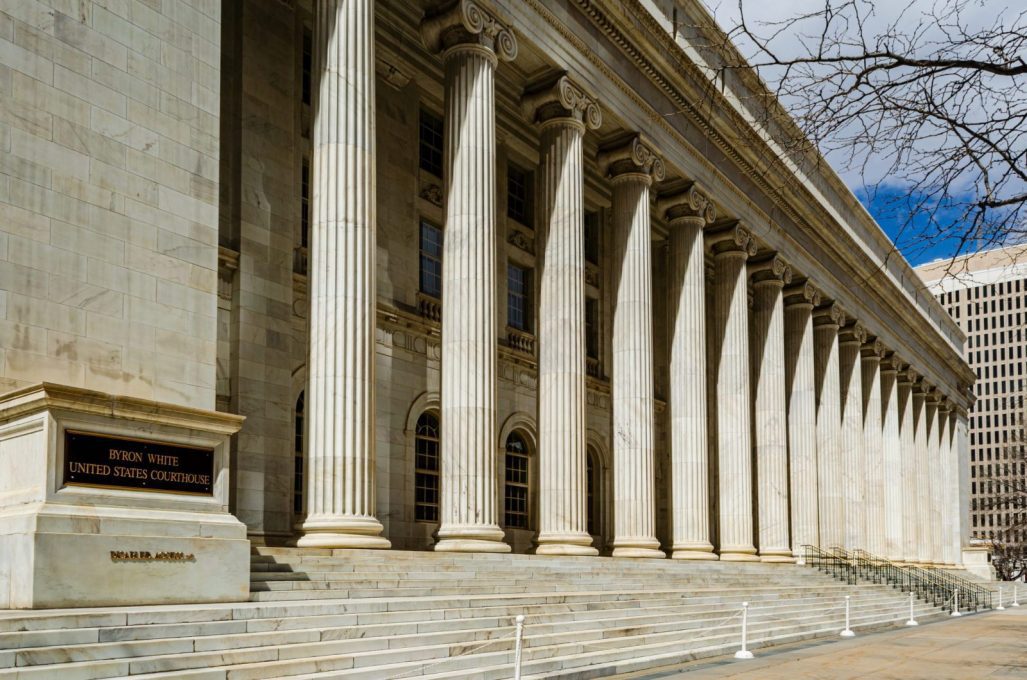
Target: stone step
293 655
468 628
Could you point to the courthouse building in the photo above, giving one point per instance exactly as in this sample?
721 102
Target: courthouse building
485 275
986 294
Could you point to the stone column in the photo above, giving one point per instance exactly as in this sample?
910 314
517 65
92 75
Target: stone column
921 519
633 165
801 393
687 214
471 42
929 471
873 449
850 339
944 486
564 112
340 394
826 321
732 247
891 446
908 411
770 404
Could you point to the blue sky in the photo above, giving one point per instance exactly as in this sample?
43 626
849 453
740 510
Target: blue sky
893 208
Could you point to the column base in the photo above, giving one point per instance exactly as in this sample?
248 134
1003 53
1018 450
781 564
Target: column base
639 552
474 538
739 555
554 543
778 557
692 554
342 531
637 546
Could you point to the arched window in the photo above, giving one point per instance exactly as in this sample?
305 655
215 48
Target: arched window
426 468
592 472
517 481
297 479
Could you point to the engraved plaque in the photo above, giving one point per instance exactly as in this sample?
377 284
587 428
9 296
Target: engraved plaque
137 464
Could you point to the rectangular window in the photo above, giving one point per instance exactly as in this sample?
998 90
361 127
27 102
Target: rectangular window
592 237
431 143
592 328
431 259
305 204
518 298
518 194
308 61
426 469
516 495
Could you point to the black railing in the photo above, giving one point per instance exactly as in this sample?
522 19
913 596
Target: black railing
929 585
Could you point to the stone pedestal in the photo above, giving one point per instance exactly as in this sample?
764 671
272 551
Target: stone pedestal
633 166
108 500
802 415
687 214
730 347
471 41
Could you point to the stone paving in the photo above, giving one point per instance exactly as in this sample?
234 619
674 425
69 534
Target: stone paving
988 645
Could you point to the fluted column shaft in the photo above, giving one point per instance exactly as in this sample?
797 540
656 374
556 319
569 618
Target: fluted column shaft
922 519
829 421
853 464
690 519
562 387
471 42
340 394
730 345
874 468
932 516
770 409
907 434
632 389
943 496
800 384
891 446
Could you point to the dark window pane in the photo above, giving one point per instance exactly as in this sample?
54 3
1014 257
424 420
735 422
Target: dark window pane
431 143
426 468
518 199
297 482
519 310
592 237
515 496
431 260
308 60
592 328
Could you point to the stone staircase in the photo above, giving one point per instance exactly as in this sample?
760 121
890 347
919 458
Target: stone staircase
395 614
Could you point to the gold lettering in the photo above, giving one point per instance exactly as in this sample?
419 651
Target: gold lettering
122 455
163 459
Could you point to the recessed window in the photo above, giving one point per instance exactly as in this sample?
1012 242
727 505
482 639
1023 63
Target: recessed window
297 478
426 468
592 237
592 328
305 204
431 259
519 308
516 487
518 196
308 62
431 143
592 471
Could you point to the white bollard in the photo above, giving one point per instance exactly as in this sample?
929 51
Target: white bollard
1000 607
848 631
955 606
517 646
744 652
1016 600
912 619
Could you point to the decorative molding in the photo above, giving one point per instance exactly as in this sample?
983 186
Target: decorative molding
854 332
432 193
463 22
592 276
519 239
872 348
829 314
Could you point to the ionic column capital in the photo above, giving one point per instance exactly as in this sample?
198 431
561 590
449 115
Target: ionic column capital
558 99
872 349
734 239
463 23
829 314
632 157
802 293
772 270
691 207
854 333
891 363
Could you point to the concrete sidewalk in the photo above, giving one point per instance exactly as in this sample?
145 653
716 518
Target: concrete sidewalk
988 645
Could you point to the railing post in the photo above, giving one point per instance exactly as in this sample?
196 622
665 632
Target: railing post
955 606
848 631
1016 600
1000 599
744 652
912 619
517 646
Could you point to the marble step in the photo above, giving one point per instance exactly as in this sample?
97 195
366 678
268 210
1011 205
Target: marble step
470 628
291 656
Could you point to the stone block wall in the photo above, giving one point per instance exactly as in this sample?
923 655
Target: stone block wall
108 196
